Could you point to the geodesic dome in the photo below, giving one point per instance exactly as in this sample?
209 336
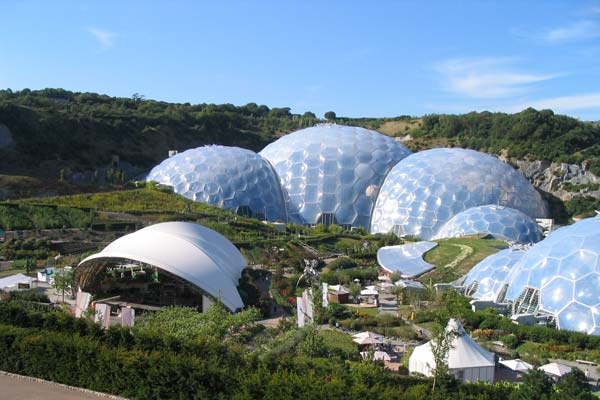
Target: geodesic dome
487 280
332 173
426 189
499 222
561 276
227 177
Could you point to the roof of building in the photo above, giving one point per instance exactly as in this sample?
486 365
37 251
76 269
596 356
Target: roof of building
190 251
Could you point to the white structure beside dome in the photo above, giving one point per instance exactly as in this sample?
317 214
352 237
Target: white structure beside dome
192 252
332 173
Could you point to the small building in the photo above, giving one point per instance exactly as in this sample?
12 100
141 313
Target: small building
16 282
338 294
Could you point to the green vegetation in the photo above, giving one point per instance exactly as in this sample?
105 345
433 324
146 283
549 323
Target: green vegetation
455 257
532 134
165 357
74 137
583 206
146 364
138 130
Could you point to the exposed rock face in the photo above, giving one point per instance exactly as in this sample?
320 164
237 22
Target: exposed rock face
564 181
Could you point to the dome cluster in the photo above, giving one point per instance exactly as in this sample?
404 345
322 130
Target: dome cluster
559 277
355 177
426 189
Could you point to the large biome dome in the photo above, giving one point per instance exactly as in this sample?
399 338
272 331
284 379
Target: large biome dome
187 254
487 280
499 222
560 276
227 177
332 173
426 189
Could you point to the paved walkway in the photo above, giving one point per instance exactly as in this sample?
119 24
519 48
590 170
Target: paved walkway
18 387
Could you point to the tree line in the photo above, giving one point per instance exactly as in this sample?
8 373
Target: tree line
529 134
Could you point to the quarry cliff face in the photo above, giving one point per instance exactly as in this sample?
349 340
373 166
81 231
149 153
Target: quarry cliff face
564 181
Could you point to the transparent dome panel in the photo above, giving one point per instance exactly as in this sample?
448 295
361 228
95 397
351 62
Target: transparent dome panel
213 174
358 158
466 186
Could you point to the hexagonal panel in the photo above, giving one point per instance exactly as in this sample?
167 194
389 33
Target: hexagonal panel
491 274
357 158
500 222
219 175
556 294
470 178
576 317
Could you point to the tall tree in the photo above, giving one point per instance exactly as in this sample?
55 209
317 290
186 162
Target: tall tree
330 116
441 344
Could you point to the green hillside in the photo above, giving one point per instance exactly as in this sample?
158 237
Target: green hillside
55 142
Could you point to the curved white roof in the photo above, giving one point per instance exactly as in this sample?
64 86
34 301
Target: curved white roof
406 259
190 251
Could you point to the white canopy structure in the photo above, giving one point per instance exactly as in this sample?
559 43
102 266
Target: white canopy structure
517 365
555 369
192 252
467 361
405 259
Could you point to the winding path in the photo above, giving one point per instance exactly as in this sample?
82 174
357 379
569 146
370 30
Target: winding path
465 251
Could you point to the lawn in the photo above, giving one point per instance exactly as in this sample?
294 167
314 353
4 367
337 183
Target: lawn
455 257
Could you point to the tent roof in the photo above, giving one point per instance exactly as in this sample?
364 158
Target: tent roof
555 369
367 334
193 252
517 365
464 351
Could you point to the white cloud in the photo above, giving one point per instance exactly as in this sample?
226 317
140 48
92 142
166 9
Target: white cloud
105 38
580 30
487 77
564 104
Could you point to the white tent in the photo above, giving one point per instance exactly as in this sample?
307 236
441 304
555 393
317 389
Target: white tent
369 291
517 365
367 340
555 369
467 361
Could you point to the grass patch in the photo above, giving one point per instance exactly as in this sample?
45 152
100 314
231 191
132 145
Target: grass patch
455 257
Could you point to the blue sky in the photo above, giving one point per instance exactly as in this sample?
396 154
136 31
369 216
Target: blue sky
356 58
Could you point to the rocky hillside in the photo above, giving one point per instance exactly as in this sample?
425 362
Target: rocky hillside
565 181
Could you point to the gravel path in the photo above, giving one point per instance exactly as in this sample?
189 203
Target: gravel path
18 387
